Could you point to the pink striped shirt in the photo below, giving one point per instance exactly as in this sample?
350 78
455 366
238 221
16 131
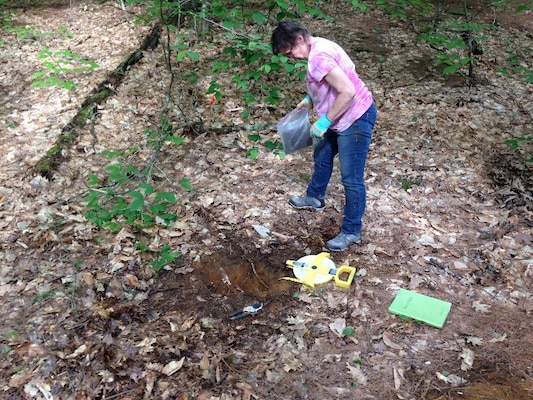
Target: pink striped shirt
323 57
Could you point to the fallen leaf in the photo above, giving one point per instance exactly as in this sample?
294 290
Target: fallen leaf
398 377
80 350
460 265
525 304
480 307
20 378
218 373
146 345
187 324
475 341
42 388
452 379
131 280
30 349
204 362
294 365
338 326
388 341
173 367
247 391
356 373
183 270
87 278
499 339
415 282
428 240
468 359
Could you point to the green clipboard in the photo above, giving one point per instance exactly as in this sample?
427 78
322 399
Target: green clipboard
409 305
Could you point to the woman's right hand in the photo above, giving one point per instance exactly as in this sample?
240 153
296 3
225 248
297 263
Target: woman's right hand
306 102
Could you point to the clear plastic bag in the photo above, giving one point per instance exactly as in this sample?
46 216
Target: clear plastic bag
294 130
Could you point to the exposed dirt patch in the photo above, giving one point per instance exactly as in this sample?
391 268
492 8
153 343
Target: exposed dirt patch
232 270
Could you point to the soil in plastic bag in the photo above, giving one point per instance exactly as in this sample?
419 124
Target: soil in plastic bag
294 130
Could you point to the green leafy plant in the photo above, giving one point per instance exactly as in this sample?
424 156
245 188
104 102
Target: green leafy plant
348 331
408 183
271 146
276 147
304 177
247 58
123 195
164 258
43 296
517 64
518 143
403 9
456 41
252 153
454 45
5 19
141 207
524 7
6 348
58 65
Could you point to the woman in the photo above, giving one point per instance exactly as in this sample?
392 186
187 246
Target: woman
347 115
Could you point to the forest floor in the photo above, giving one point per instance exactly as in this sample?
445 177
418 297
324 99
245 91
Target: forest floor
448 215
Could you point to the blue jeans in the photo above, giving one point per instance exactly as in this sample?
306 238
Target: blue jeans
352 147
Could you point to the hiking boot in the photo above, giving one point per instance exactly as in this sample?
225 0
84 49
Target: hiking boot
342 241
307 202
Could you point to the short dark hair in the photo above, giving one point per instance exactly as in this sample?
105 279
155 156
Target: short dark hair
284 36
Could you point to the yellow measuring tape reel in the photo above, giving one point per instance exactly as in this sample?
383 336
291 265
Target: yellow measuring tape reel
317 269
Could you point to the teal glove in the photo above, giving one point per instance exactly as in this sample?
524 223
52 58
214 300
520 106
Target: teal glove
320 127
306 102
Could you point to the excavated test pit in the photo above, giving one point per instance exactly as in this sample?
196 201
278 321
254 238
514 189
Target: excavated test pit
231 271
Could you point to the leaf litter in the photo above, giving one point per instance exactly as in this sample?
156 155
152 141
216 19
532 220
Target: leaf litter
85 316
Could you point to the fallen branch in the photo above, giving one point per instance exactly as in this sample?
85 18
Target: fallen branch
69 134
